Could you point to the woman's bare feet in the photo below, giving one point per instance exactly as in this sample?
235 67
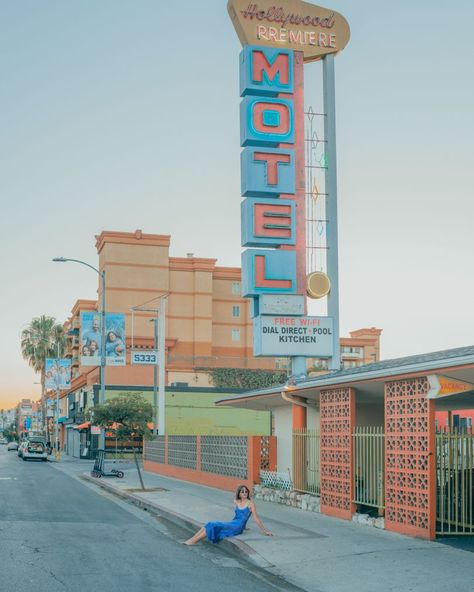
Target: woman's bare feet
201 533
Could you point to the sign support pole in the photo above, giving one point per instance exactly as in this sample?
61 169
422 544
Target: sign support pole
331 202
161 362
155 377
298 363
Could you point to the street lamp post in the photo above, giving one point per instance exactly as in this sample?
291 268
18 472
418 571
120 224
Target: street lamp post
56 427
102 345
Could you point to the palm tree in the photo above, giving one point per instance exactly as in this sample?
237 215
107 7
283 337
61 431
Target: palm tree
43 338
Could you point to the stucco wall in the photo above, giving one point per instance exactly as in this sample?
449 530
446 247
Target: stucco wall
283 431
194 413
369 414
312 419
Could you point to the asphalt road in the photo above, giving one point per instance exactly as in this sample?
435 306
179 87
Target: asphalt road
60 534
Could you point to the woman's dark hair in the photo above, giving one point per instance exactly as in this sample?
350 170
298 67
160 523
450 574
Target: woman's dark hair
239 489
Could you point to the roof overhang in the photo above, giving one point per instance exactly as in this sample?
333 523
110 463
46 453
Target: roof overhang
369 384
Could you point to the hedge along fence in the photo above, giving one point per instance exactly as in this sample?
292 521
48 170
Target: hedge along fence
217 461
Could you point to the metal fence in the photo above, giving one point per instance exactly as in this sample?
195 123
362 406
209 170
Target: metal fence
368 462
306 461
455 482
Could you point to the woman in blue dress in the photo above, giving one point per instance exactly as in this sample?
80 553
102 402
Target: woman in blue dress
216 531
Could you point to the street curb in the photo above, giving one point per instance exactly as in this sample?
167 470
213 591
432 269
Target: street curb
232 546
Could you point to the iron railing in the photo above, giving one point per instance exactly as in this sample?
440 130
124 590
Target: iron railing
455 482
306 461
368 462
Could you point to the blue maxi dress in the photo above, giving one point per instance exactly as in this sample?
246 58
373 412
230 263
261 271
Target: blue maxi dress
216 531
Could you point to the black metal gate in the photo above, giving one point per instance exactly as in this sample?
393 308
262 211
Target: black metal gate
455 482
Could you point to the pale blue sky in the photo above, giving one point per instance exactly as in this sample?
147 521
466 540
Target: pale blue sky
122 115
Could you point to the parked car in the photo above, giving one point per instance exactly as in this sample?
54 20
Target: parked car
22 445
34 448
12 446
3 441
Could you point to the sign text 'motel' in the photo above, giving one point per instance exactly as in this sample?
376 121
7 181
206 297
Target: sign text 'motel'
267 171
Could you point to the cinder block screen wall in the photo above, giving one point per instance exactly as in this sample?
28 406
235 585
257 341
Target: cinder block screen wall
410 490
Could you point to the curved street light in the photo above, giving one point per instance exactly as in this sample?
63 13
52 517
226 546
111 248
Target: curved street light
102 345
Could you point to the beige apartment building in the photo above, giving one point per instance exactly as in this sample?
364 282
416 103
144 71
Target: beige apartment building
208 323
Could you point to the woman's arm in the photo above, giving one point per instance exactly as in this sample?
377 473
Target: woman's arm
258 521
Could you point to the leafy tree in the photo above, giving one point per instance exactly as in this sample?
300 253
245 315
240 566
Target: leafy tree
130 412
43 338
244 378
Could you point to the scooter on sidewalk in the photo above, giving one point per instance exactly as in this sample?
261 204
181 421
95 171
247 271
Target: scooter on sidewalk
99 470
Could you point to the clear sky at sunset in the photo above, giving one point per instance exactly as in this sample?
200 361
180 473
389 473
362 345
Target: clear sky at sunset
117 115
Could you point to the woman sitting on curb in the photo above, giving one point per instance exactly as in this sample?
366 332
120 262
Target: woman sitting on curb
216 531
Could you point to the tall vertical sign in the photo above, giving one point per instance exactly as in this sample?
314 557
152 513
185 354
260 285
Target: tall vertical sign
276 42
267 135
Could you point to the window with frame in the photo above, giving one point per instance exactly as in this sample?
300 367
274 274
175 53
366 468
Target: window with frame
236 288
235 334
346 349
320 364
350 363
236 312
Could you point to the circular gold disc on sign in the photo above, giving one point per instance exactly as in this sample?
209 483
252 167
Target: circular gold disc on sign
317 284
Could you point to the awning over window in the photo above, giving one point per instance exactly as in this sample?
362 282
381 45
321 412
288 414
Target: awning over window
83 426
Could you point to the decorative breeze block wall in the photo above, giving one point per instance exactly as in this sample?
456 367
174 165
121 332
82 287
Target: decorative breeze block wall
410 489
337 417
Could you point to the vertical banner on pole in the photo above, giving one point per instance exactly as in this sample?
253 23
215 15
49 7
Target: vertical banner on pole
91 338
57 374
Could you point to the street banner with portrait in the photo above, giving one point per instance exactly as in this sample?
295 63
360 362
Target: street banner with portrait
91 338
115 339
57 374
50 407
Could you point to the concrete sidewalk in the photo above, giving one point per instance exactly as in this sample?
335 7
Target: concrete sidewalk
312 551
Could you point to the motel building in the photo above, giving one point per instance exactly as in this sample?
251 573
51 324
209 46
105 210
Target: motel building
380 439
208 327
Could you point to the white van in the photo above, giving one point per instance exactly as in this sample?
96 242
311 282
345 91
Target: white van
33 448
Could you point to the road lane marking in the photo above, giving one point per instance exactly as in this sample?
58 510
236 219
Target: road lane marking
8 478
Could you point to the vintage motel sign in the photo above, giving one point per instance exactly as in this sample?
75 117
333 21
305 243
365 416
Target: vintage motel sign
443 386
